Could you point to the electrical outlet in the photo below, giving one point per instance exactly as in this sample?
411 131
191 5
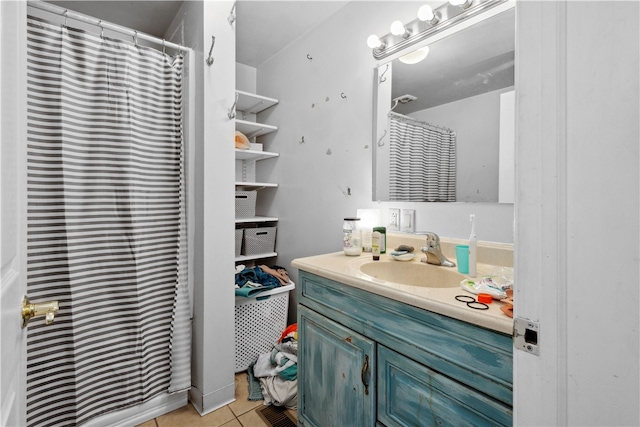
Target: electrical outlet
407 221
394 220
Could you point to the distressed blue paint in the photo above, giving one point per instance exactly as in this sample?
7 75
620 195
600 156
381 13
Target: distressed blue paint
330 389
410 394
471 366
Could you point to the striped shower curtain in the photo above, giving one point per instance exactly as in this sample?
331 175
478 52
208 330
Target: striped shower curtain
106 225
422 161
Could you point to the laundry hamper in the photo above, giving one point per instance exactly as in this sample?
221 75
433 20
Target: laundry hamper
259 323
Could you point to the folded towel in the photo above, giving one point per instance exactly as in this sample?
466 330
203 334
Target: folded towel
250 291
242 142
255 391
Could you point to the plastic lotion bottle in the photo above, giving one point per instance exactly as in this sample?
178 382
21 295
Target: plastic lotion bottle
375 245
472 246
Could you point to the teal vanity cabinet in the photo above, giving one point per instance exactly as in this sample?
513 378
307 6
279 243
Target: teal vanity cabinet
367 360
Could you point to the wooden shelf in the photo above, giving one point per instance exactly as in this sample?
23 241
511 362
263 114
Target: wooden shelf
258 256
248 186
252 104
254 155
251 129
256 219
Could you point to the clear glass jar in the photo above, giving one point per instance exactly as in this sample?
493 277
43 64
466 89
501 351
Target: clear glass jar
351 238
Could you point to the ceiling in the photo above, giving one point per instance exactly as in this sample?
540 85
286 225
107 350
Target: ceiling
263 28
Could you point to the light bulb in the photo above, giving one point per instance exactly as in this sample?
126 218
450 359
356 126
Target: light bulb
425 13
461 3
415 56
397 28
373 41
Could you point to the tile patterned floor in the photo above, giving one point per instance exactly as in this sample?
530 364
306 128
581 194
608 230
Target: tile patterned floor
241 413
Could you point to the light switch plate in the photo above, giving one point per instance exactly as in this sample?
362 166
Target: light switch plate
394 220
408 220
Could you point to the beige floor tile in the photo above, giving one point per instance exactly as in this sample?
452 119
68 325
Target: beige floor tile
242 404
251 419
233 423
293 413
188 416
150 423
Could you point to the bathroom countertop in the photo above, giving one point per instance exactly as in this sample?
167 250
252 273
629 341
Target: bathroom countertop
345 269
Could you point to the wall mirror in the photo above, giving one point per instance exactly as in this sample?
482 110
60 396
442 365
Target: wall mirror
465 85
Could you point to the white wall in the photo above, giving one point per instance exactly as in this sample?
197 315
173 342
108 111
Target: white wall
213 356
315 176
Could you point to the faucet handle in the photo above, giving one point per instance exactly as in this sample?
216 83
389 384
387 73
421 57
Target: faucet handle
433 240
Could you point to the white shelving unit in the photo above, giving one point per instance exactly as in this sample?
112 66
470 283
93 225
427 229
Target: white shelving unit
247 160
253 129
253 154
250 103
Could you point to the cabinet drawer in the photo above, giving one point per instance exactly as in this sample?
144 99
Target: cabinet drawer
467 353
410 394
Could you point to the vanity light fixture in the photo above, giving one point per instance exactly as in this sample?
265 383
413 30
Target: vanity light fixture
462 3
398 29
425 14
428 23
415 56
374 42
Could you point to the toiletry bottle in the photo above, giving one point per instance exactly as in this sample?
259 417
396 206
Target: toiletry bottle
383 238
351 241
472 246
375 245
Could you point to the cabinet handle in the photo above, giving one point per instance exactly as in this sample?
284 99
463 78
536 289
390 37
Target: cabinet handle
363 375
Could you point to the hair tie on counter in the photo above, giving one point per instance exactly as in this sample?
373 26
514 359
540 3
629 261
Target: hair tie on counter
471 302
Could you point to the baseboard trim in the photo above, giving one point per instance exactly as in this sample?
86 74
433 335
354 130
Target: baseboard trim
139 414
205 404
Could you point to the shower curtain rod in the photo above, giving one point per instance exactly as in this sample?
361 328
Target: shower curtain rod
405 119
48 7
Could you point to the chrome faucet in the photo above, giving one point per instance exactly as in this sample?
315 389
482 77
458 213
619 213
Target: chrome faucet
433 252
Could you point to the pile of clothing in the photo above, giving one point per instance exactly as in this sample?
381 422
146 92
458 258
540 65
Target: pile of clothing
253 280
277 371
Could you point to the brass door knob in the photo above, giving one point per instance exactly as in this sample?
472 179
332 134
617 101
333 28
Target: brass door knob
47 309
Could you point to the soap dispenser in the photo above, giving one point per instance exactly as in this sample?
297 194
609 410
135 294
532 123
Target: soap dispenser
472 246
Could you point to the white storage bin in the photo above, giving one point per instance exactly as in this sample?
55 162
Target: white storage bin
246 203
239 234
260 240
259 323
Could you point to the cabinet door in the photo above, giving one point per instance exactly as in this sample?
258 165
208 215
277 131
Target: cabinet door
335 385
411 394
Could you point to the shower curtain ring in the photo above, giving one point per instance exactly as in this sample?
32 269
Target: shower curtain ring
135 38
66 11
163 47
101 29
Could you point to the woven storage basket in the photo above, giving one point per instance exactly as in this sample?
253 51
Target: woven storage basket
259 240
239 233
259 322
246 203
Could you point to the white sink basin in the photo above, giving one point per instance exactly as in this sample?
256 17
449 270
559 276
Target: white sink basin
413 273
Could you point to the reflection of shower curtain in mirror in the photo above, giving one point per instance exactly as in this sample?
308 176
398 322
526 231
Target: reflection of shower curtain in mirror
422 161
105 225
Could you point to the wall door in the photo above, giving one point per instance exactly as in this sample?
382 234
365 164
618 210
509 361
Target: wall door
578 212
13 338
